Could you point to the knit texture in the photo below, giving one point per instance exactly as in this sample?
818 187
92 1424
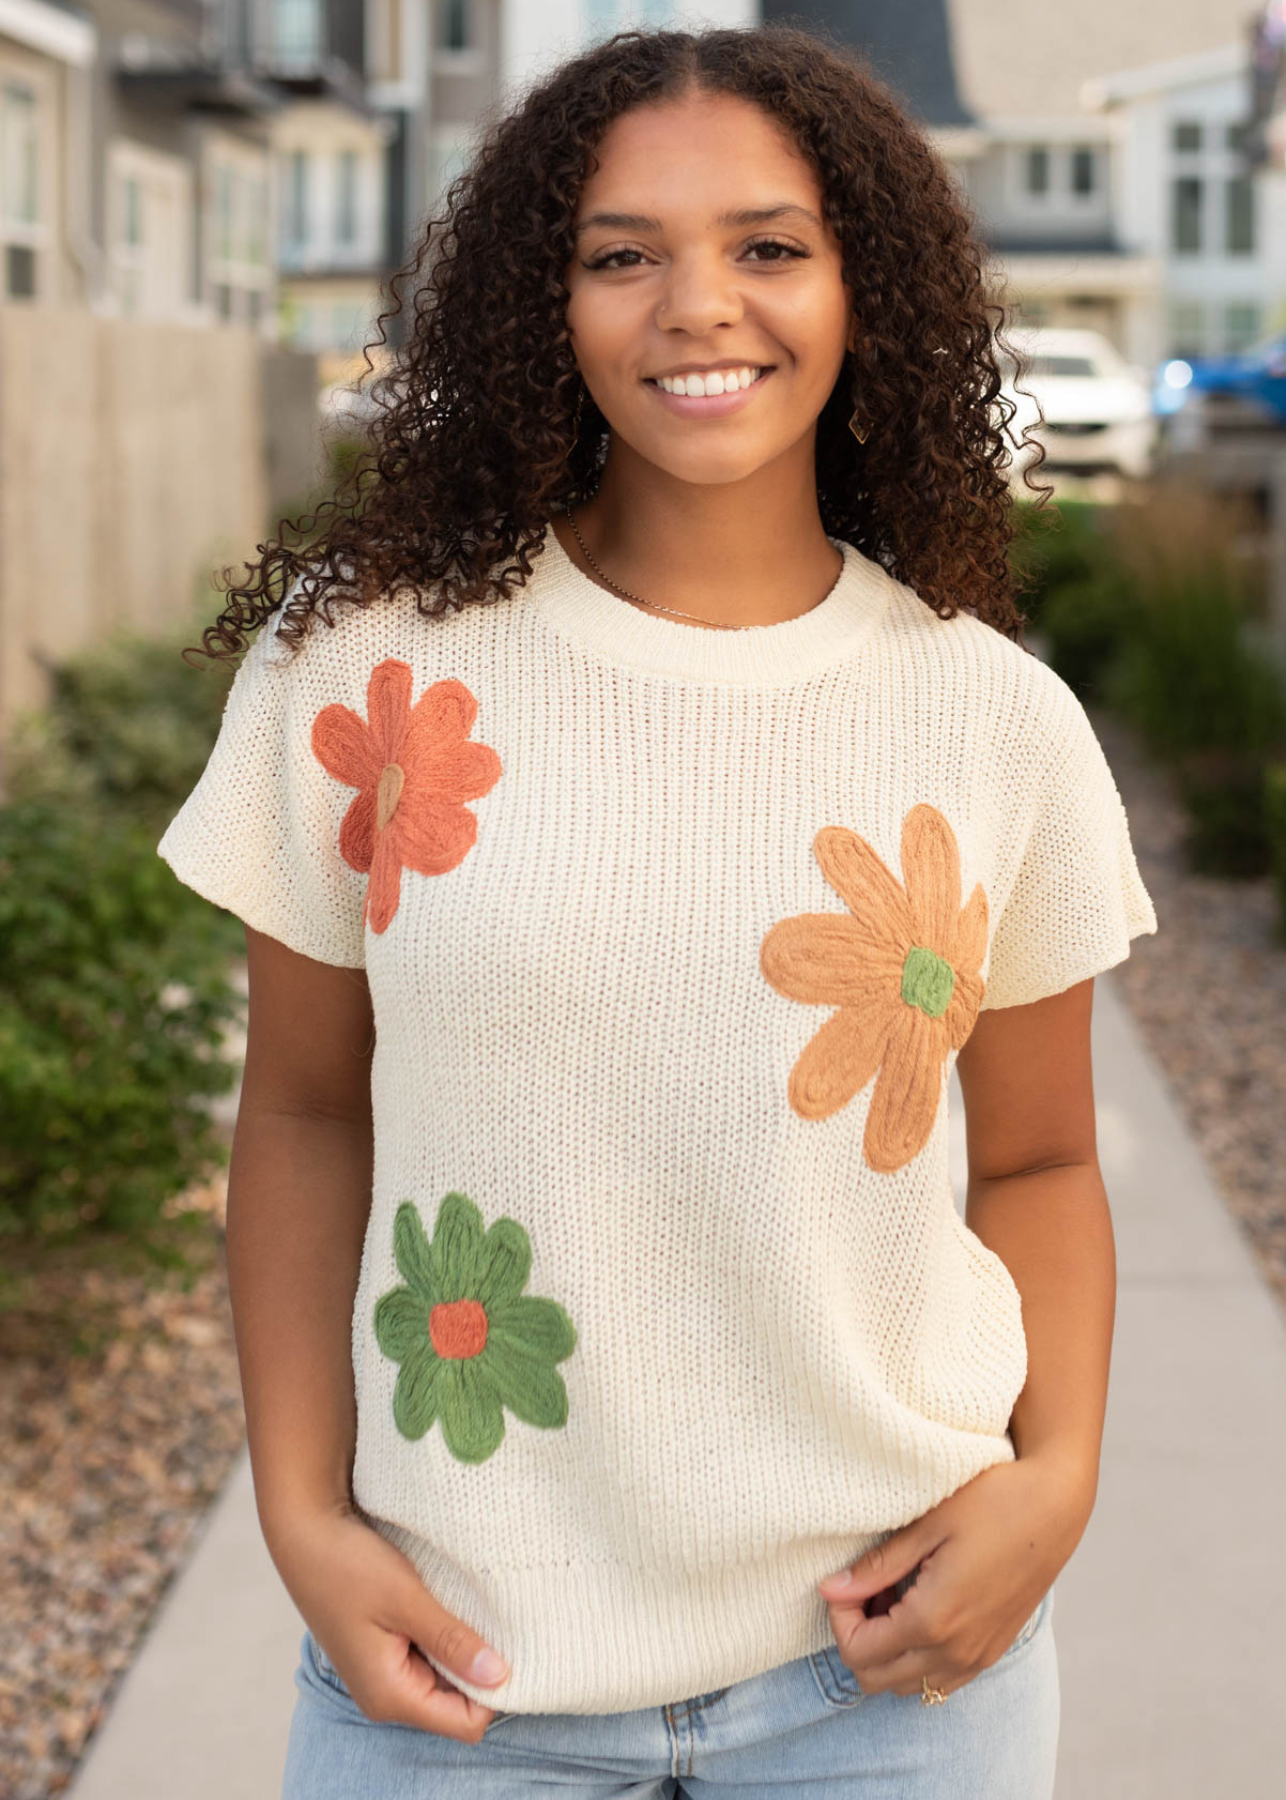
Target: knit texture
667 1308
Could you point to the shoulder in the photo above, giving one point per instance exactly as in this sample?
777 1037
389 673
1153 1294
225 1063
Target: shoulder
1013 702
338 650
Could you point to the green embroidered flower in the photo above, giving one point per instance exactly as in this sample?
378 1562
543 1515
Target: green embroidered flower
469 1340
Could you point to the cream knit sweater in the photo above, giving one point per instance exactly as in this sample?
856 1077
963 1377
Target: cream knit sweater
667 1308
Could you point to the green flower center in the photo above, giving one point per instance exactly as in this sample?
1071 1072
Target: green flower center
458 1328
928 981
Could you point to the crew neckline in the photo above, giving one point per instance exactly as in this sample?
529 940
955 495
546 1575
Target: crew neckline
573 604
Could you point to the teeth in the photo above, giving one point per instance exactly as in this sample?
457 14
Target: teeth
718 381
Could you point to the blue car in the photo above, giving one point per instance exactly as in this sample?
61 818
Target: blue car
1256 377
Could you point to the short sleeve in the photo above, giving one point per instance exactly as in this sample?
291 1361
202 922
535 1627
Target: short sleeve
259 833
1077 898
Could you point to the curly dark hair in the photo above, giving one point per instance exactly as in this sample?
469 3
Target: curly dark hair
474 443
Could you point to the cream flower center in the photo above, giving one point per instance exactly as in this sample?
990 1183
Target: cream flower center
392 781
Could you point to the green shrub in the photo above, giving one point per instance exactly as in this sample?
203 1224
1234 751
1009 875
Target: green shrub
1084 624
127 729
1052 546
1196 671
115 1005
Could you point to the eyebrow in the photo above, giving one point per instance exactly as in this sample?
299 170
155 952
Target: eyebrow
746 215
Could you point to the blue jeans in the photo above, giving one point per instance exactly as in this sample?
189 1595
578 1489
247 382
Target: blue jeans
805 1728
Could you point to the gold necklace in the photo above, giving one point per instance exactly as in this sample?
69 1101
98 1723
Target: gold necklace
715 624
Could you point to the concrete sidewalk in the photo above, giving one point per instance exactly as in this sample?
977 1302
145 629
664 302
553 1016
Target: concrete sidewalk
1167 1618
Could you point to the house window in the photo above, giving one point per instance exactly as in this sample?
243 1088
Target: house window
455 25
1083 169
1236 137
1239 216
257 225
18 119
1185 214
349 321
234 270
346 197
19 271
223 213
297 30
295 214
20 227
1187 328
1241 325
1036 171
1186 134
130 257
131 211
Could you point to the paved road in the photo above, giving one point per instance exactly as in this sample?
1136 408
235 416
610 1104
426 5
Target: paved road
1168 1618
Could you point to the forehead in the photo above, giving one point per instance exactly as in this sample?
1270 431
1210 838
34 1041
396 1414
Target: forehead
696 145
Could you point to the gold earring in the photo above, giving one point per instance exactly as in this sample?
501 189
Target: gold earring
865 432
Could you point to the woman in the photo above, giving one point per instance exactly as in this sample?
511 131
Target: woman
661 805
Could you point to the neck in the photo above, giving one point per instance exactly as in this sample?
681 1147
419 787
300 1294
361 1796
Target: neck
752 552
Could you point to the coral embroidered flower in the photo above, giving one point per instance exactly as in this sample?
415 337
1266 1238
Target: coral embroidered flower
414 767
469 1340
901 967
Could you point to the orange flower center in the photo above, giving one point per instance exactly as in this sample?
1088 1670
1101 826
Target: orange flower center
458 1328
392 781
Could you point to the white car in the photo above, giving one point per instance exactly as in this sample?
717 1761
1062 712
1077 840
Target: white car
1098 408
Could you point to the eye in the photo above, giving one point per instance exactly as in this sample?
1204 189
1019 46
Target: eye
775 244
608 257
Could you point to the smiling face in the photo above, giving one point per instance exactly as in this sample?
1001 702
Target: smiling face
665 279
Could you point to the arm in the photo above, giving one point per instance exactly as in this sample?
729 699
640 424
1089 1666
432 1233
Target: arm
299 1197
986 1554
299 1193
1036 1197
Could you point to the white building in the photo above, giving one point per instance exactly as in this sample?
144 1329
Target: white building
1097 143
484 51
1186 198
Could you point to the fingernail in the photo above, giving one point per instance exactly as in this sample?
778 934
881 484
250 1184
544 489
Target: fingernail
487 1666
836 1582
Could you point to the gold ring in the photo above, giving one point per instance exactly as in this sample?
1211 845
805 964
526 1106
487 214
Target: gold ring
930 1696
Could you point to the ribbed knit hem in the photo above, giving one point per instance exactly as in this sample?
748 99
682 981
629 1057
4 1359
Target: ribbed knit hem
758 656
675 1626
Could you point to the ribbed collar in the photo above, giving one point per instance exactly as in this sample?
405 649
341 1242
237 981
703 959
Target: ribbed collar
763 656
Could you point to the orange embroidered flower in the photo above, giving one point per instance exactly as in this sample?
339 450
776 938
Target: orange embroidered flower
902 968
413 768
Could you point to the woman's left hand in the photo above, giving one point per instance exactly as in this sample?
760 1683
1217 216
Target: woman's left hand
987 1554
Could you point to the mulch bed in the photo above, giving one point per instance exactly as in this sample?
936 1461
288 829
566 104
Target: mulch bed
120 1402
120 1417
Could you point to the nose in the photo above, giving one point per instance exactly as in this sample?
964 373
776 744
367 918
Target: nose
700 293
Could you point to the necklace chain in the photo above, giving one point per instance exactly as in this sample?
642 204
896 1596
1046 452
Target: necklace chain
715 624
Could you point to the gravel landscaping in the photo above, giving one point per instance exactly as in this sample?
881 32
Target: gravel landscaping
120 1406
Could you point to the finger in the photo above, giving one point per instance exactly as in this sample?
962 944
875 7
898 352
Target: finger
882 1565
905 1675
429 1700
454 1648
872 1643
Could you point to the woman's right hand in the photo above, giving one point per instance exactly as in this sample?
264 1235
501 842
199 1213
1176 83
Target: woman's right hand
366 1605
